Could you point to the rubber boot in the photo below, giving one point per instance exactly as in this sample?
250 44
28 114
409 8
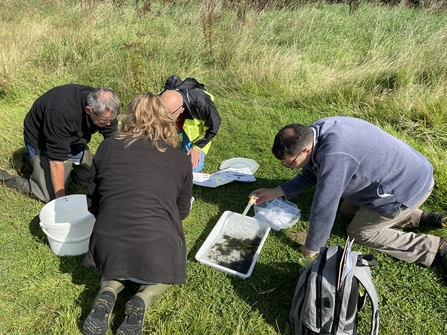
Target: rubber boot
151 293
134 317
26 168
81 171
40 179
136 308
17 182
97 322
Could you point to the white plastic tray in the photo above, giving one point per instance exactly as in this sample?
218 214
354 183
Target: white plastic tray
230 247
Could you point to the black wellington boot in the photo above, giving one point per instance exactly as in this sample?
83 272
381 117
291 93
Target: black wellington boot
18 182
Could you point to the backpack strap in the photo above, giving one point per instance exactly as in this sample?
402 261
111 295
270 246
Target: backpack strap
366 260
363 274
298 299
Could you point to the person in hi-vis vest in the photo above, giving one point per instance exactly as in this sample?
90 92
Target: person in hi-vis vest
197 118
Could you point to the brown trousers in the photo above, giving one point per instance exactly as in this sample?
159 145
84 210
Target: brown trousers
374 230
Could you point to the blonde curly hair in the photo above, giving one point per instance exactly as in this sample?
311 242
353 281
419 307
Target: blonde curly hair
148 118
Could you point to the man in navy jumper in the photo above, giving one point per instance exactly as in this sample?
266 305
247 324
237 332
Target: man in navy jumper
381 180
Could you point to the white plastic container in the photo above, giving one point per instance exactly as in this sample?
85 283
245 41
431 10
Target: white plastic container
240 162
280 214
233 246
68 224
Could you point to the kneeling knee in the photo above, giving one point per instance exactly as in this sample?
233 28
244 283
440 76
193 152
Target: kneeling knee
359 237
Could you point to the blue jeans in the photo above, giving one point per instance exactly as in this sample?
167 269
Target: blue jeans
187 144
75 155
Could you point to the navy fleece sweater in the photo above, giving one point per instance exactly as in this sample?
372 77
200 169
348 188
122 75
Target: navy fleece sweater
355 160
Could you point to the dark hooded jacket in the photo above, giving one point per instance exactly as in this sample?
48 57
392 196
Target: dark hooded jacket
198 105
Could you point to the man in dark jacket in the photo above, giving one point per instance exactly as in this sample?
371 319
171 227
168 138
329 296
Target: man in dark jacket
57 129
197 118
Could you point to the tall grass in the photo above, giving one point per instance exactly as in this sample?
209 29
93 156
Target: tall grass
266 66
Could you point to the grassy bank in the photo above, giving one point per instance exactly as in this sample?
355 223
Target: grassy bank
266 68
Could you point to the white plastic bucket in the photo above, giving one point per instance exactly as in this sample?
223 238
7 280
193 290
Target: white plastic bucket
68 224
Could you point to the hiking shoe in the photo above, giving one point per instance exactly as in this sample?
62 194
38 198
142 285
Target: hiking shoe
441 256
97 322
133 322
435 219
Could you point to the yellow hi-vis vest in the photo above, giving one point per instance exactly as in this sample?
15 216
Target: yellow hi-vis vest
195 129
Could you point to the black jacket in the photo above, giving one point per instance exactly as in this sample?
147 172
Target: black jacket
139 197
57 122
198 105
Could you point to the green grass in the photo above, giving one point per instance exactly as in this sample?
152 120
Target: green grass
266 69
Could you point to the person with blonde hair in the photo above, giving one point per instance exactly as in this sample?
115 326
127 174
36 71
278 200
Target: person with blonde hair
140 188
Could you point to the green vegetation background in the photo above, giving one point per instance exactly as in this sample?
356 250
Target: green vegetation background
267 66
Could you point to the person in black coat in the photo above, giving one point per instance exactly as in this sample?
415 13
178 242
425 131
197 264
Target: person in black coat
140 189
57 129
195 112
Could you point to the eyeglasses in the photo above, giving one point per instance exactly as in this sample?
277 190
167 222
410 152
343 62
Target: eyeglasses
291 163
102 120
98 118
177 110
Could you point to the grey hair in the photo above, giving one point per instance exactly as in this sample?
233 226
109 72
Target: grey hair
104 100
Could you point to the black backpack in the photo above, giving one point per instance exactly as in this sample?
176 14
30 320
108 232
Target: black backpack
328 297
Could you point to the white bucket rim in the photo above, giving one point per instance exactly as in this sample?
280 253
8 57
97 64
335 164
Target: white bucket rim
51 206
74 240
65 225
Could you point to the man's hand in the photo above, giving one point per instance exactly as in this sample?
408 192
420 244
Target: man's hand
307 252
195 157
266 194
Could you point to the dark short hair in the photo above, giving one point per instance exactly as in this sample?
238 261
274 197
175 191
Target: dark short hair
291 140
